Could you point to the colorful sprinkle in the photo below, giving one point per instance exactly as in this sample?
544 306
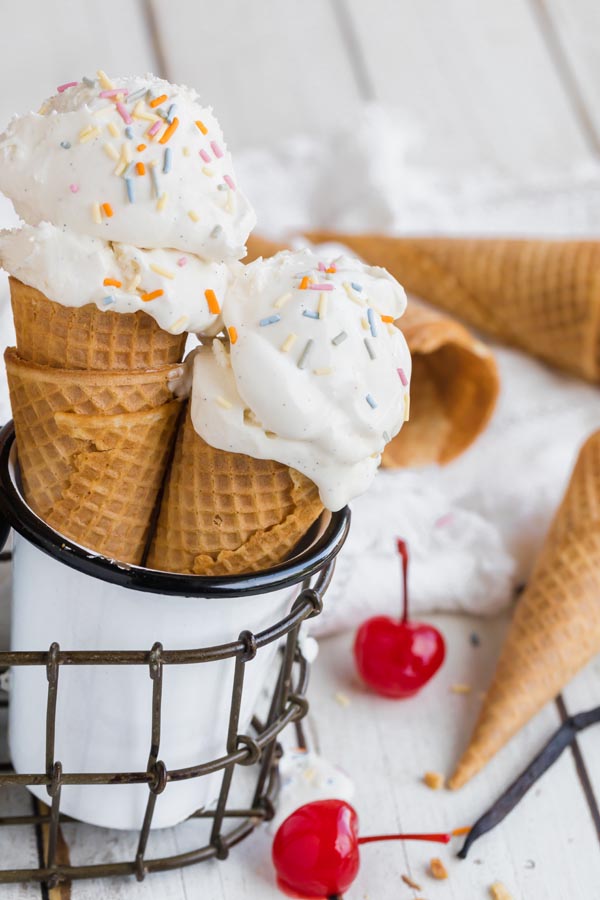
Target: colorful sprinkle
107 210
114 92
386 437
130 190
310 314
89 82
233 335
105 81
288 343
372 403
331 270
213 303
129 132
154 129
167 160
140 168
324 370
356 287
270 320
305 352
171 112
96 213
229 182
154 177
339 338
165 273
86 134
372 324
182 261
171 129
162 201
193 215
304 283
387 319
68 84
221 187
108 300
110 151
406 407
111 282
137 95
201 126
216 149
66 145
178 326
74 188
370 349
124 113
403 377
216 231
322 306
365 324
186 151
321 266
157 101
282 300
112 129
204 155
209 173
140 148
153 295
221 401
351 296
321 287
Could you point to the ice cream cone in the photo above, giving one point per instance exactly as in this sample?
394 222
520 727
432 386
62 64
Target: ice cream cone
47 402
226 514
85 337
556 627
541 296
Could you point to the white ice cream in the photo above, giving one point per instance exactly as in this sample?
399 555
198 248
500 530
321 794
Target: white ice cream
130 167
315 378
75 269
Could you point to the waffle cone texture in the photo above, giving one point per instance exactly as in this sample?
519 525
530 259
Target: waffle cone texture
226 513
556 627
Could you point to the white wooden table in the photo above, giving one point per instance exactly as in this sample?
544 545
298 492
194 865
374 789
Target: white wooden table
511 85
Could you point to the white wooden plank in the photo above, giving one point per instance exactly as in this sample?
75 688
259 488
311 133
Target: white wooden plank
581 694
271 70
477 81
47 42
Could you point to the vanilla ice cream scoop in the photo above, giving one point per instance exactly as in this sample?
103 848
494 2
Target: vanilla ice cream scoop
315 375
179 290
135 160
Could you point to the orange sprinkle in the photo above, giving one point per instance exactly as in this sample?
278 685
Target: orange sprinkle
232 334
140 147
151 296
213 303
112 282
387 318
140 168
157 101
170 131
458 832
331 269
202 127
304 284
107 210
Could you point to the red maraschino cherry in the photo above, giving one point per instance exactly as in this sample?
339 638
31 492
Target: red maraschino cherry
397 658
315 851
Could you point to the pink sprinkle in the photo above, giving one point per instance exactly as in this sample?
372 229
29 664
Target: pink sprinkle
73 188
182 261
216 149
124 114
229 182
445 520
204 155
320 287
403 377
321 267
68 84
114 93
156 127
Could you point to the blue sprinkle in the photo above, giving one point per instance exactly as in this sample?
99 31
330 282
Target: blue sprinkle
339 338
370 349
129 132
270 320
171 112
130 191
137 95
66 145
356 287
129 170
304 354
371 402
216 231
386 437
310 314
167 160
108 300
371 318
90 82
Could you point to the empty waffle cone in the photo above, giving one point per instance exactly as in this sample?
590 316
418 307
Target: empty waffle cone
38 394
541 296
454 383
226 513
556 627
86 337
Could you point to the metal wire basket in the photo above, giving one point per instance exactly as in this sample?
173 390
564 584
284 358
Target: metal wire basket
309 571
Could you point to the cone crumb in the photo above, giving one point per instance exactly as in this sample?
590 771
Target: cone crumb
438 870
412 884
460 688
499 892
434 780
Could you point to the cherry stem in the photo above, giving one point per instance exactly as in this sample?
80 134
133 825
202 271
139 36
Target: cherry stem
403 551
434 838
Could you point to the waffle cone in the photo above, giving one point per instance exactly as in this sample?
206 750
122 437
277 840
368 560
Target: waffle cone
85 337
41 395
454 383
541 296
226 514
556 627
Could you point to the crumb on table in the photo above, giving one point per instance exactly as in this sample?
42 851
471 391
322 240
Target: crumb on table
438 870
499 892
460 688
412 884
434 780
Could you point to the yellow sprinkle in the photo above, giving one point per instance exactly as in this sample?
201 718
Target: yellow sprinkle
126 151
289 342
406 407
43 109
160 271
224 403
229 204
178 325
113 129
96 213
162 201
392 329
322 305
140 113
134 283
207 171
193 215
324 370
186 151
341 699
103 111
87 134
105 81
110 151
365 323
282 300
352 296
459 688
